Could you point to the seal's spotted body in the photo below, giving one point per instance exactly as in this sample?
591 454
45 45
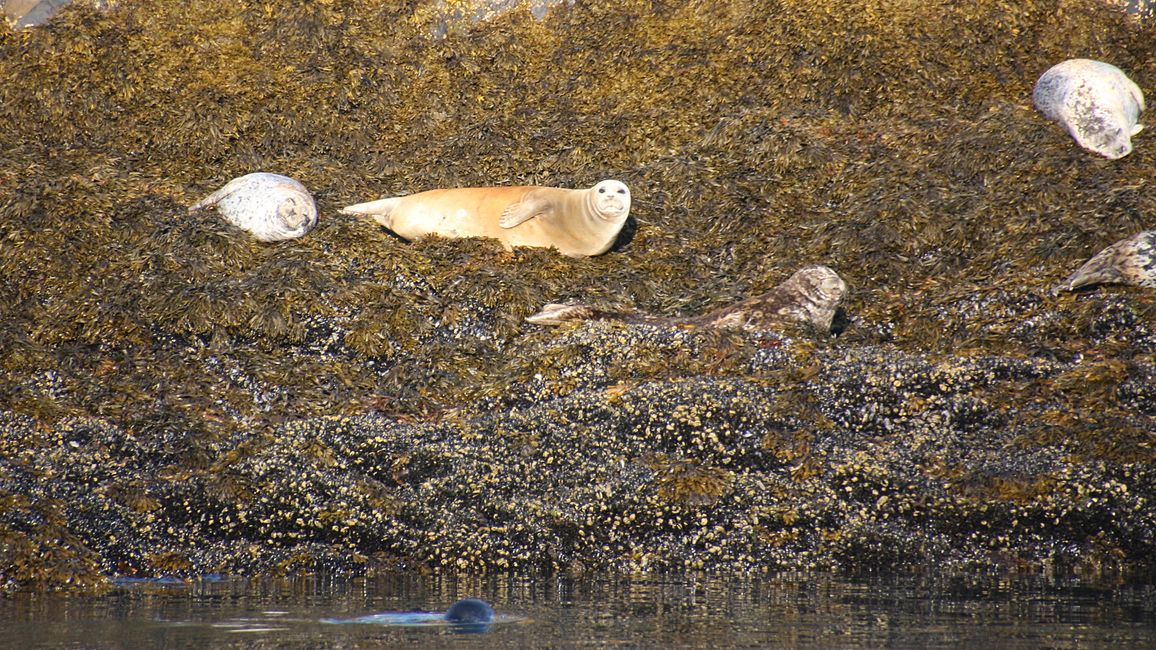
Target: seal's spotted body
1095 101
270 206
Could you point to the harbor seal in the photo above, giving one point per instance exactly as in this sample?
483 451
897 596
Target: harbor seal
470 611
271 207
578 223
1095 101
1128 261
468 615
810 296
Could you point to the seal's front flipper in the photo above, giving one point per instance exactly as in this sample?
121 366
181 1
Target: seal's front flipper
522 211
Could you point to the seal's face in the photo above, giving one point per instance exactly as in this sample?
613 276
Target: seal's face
1098 129
611 199
1114 145
829 285
293 213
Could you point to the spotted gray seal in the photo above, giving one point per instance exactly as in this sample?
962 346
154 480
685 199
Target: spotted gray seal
271 207
810 296
1128 261
578 223
1095 101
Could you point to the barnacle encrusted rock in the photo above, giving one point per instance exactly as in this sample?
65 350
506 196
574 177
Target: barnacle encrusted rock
178 399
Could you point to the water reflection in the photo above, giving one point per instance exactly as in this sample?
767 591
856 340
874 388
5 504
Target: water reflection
784 611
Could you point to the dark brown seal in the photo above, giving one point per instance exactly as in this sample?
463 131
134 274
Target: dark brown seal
809 296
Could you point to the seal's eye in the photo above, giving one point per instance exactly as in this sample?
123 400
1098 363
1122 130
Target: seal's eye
621 191
602 190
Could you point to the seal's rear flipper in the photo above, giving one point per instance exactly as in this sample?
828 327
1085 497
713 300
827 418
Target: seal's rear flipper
379 210
1101 269
215 197
556 314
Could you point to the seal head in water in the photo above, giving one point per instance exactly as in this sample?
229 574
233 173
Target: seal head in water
470 611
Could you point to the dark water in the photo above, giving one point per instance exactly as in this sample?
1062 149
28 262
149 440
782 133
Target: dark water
785 611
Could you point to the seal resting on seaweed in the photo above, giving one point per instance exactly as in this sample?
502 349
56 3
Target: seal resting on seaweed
809 296
1095 101
576 222
270 206
1128 261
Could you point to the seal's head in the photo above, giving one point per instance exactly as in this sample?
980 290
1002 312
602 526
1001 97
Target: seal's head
470 616
470 611
294 212
610 200
821 282
813 294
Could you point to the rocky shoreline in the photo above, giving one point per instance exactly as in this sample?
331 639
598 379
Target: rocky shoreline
178 400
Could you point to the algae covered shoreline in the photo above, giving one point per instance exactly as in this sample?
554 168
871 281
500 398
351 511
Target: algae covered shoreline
180 400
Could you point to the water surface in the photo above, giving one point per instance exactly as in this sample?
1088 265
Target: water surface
781 611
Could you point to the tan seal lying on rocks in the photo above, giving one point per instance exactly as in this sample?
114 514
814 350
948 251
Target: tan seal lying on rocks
1128 261
576 222
1095 101
270 206
809 296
